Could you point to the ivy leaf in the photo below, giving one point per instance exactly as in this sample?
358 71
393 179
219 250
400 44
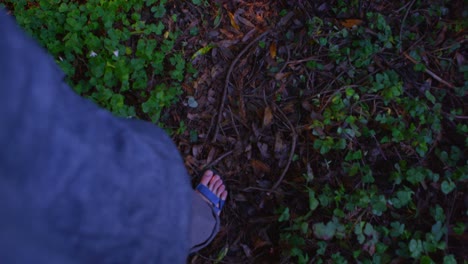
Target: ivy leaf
379 205
159 11
438 230
450 259
192 102
313 202
426 260
325 232
397 229
402 199
459 228
368 229
447 186
416 248
358 232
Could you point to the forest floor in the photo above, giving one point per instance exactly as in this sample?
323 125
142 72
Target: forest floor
271 72
339 127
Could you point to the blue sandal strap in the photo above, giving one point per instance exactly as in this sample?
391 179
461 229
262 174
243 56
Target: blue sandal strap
221 204
208 194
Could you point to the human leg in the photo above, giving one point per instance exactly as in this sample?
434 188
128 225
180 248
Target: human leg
205 221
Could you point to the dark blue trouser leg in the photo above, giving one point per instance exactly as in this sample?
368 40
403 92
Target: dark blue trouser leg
76 183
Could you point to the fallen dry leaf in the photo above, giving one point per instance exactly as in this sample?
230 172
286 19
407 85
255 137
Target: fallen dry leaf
279 146
233 21
267 117
460 59
263 147
273 50
259 166
350 23
281 75
247 250
211 154
245 21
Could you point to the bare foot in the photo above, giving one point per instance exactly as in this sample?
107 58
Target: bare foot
216 186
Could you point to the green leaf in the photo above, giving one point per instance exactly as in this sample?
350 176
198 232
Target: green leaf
397 229
402 198
358 232
450 259
322 247
438 213
438 231
430 97
193 136
426 260
304 227
353 155
447 186
323 41
416 175
203 51
192 102
416 248
261 44
222 253
419 67
368 229
158 11
379 205
459 228
284 215
325 232
313 202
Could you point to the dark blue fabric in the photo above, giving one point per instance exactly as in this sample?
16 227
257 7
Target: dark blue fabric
77 184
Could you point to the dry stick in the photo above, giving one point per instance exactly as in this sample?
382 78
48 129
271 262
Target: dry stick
304 60
226 83
429 72
291 153
218 159
461 117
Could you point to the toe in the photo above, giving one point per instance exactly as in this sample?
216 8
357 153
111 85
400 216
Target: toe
217 184
224 195
207 177
214 180
220 190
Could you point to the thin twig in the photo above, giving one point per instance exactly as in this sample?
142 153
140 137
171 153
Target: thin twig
234 123
429 72
226 84
304 60
403 23
218 159
249 189
291 153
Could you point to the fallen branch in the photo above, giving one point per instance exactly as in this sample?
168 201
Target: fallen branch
429 72
226 84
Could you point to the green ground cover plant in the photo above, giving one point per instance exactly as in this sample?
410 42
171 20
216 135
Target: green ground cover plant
362 104
120 54
368 215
